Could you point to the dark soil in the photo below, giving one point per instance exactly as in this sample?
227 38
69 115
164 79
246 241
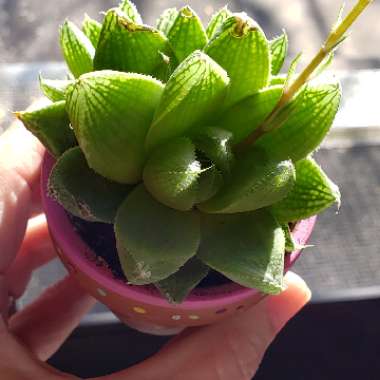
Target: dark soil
100 238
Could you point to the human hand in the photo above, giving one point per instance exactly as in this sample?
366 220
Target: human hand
229 350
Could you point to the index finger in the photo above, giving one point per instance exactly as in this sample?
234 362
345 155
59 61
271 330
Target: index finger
20 160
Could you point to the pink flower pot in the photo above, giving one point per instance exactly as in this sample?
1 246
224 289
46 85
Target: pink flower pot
142 307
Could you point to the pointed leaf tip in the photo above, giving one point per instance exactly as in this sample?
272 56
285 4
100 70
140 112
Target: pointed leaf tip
186 33
172 172
116 49
279 50
131 11
166 20
242 49
256 182
91 28
177 286
50 123
54 89
194 91
217 21
291 244
77 49
215 144
312 193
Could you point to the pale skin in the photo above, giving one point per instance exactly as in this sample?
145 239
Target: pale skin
233 348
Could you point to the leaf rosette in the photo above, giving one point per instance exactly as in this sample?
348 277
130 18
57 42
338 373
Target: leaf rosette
190 141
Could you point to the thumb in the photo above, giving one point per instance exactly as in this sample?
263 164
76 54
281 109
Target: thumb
232 349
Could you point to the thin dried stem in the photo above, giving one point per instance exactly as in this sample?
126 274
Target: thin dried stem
332 41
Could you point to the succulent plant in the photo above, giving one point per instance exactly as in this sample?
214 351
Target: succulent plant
190 142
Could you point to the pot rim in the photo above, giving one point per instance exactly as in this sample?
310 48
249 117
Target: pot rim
69 244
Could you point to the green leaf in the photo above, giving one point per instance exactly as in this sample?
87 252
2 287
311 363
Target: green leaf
242 49
165 68
166 20
153 240
178 286
312 193
193 92
278 80
254 183
50 123
217 21
215 143
248 114
91 28
248 248
279 50
131 11
111 113
77 49
186 34
54 89
171 174
127 46
82 192
312 113
209 182
292 70
290 243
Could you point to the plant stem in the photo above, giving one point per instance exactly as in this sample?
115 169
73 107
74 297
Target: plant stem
334 38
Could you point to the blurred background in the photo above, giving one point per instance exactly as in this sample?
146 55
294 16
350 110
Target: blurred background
29 27
337 336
